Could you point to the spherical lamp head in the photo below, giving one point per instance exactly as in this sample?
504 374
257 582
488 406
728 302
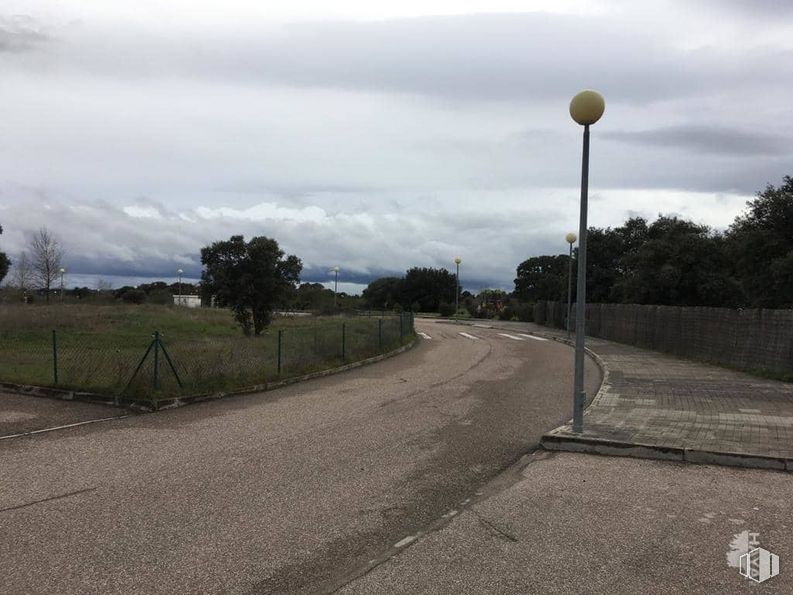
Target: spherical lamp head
587 107
457 260
571 238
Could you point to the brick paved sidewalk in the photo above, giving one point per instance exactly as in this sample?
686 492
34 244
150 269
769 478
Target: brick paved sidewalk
652 404
660 406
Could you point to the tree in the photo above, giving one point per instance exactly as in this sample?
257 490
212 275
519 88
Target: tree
47 256
542 278
425 288
385 292
669 262
311 296
250 278
22 273
760 244
680 264
607 250
4 262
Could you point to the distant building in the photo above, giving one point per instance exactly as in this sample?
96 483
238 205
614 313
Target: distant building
190 301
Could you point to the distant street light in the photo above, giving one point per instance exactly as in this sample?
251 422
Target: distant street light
457 261
570 238
586 108
335 285
62 271
180 271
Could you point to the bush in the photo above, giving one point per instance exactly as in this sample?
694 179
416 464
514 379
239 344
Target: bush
134 296
161 297
525 312
445 309
507 313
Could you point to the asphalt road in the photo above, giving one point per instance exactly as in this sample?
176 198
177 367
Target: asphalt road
297 490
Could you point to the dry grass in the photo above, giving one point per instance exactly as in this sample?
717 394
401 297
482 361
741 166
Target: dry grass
100 347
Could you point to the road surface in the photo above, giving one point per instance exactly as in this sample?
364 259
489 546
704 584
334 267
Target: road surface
297 490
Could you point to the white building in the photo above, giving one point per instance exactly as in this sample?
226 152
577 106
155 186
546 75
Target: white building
190 301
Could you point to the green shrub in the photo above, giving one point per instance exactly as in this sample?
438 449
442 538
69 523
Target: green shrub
445 309
525 312
134 296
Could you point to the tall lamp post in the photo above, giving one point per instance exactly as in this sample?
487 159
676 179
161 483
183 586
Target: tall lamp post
570 238
335 285
457 261
586 108
179 272
62 271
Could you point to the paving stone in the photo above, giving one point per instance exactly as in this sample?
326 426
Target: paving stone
657 400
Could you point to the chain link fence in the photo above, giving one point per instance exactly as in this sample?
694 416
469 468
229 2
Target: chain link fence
751 339
150 366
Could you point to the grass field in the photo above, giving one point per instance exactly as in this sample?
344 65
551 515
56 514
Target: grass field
99 348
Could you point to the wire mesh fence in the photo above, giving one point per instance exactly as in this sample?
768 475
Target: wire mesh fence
152 366
751 339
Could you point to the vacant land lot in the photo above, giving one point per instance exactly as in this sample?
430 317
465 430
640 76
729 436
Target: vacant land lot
102 348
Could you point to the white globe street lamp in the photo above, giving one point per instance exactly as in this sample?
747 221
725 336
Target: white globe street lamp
179 272
457 261
586 108
335 285
570 238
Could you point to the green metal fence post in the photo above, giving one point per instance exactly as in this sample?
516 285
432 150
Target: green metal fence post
156 360
380 333
401 327
280 342
55 355
343 341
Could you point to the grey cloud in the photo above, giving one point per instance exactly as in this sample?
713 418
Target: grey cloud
20 33
756 9
705 139
525 56
490 57
100 238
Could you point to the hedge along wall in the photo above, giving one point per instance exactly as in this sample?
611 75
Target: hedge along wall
749 339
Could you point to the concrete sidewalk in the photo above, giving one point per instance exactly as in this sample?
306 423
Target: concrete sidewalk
575 523
659 406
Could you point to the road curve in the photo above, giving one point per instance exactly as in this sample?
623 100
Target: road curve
294 490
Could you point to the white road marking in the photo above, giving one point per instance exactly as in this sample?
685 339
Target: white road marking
404 542
482 325
425 335
513 337
532 337
81 423
467 336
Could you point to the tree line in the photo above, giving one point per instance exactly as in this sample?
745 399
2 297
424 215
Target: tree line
37 268
675 262
670 261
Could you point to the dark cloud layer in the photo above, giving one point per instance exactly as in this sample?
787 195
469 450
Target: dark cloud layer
703 139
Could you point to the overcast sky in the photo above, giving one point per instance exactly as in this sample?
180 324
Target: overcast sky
378 136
